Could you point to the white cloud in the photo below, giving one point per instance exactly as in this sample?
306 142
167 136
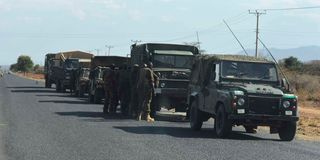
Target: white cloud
136 15
166 19
4 5
111 4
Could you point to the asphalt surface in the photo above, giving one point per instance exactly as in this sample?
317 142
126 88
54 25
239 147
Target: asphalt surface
39 124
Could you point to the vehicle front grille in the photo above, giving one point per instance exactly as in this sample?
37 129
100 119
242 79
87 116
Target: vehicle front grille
174 84
264 105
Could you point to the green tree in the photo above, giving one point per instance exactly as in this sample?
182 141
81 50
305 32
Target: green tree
13 67
292 63
36 67
24 63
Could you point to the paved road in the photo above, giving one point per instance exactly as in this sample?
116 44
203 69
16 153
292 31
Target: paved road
40 124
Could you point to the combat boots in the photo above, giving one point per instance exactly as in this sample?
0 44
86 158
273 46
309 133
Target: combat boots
148 118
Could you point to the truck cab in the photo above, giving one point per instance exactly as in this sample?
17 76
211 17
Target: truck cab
241 90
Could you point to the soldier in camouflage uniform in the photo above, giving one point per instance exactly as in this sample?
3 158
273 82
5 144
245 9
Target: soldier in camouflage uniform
109 84
146 87
124 89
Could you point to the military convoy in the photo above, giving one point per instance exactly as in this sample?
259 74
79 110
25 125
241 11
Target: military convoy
232 89
172 65
241 90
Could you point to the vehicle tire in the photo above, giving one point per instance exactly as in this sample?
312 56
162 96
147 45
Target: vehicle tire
58 86
287 131
222 124
81 91
97 97
47 84
195 117
90 98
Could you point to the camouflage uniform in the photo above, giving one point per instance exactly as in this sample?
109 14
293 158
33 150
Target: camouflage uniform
146 87
124 90
134 101
109 87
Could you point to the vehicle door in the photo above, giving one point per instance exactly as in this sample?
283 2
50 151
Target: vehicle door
211 94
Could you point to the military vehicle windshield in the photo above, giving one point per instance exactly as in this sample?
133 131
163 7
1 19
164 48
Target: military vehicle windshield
72 64
249 71
172 59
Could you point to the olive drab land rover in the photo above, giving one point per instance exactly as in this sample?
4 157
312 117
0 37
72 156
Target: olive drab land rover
172 66
241 90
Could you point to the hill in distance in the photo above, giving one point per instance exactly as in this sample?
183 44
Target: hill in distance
305 53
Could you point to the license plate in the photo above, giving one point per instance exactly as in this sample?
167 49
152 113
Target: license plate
241 111
289 113
157 91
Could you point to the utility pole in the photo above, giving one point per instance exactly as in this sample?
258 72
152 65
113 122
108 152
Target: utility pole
98 50
198 41
257 13
109 48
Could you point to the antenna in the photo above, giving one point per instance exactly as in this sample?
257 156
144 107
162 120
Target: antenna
236 38
275 62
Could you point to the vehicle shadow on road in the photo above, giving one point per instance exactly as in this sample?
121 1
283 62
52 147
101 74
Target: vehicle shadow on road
181 132
95 116
65 101
26 87
33 91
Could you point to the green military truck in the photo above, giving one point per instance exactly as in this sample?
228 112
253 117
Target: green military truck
241 90
61 67
48 64
172 64
96 83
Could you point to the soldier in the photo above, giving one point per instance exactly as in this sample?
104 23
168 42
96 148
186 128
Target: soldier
109 83
124 89
115 91
134 102
146 86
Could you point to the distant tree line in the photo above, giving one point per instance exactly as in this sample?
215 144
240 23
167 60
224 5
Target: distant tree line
25 64
294 64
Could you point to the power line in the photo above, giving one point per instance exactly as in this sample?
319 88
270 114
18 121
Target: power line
293 8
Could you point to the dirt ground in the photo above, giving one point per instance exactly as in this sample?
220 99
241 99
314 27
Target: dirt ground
32 75
309 123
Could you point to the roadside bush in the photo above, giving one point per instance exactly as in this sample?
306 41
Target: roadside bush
306 86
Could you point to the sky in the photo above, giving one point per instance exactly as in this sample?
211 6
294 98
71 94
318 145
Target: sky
38 27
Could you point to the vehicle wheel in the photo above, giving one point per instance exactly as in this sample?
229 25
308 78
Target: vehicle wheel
222 124
90 98
97 97
47 84
58 86
288 131
195 117
81 92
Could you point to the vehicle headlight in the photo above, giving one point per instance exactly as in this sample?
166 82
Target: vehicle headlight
238 93
162 85
241 101
286 104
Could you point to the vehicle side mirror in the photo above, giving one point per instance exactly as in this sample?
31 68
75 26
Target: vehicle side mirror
284 84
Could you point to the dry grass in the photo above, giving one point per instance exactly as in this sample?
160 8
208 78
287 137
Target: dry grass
309 123
32 75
